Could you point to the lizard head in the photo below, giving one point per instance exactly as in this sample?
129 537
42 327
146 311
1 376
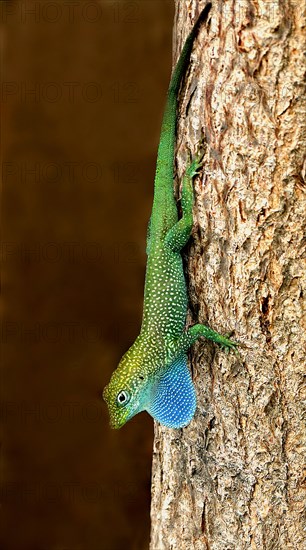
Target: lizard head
125 394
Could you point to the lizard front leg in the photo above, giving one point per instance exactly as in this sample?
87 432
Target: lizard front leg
193 333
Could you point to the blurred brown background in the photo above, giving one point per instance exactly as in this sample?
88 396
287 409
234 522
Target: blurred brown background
83 88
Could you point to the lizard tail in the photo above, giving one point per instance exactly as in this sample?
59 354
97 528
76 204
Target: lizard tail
163 194
183 61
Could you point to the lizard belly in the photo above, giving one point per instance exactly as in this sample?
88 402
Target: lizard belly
165 302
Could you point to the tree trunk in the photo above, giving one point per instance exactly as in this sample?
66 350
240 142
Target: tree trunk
233 479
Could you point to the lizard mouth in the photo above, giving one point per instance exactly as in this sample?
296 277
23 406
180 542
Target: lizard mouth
117 423
105 394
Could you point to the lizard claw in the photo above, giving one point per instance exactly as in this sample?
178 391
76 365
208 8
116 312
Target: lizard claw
228 345
196 165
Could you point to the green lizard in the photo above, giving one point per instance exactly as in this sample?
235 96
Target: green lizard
153 375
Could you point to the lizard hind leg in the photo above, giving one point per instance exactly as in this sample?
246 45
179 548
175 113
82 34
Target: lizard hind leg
178 236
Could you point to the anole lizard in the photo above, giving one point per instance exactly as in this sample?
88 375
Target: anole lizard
153 374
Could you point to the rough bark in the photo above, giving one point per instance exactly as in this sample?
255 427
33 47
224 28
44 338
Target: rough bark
233 479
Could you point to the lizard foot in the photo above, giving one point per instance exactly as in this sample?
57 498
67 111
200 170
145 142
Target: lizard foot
196 165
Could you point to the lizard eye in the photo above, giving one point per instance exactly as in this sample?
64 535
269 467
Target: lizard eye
123 397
